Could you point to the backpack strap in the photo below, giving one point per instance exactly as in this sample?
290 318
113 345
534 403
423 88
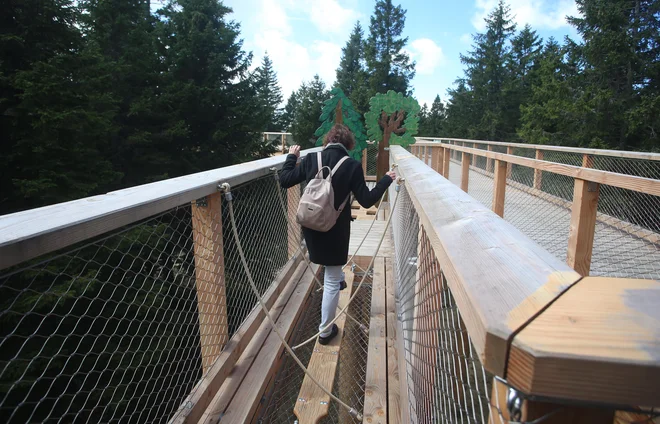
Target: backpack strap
319 162
342 160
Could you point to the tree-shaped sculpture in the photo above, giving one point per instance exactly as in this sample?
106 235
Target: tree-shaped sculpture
338 109
392 119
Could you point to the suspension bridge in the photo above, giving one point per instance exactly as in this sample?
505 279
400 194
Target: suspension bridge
497 283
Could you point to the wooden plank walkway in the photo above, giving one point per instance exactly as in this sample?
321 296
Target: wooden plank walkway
313 403
616 253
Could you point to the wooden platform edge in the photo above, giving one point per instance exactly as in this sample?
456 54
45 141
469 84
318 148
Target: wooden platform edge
313 403
198 400
393 385
244 404
375 391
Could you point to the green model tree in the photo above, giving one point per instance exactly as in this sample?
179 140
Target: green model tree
339 109
392 119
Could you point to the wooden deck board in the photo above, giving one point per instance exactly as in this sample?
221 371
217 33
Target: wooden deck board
393 396
375 396
359 229
243 404
313 403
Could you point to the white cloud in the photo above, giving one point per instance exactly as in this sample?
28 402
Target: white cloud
466 38
547 14
427 54
294 61
330 17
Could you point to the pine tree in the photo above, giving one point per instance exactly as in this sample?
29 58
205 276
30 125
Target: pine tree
289 112
270 95
388 65
352 77
459 122
338 109
436 118
54 116
310 97
423 121
487 76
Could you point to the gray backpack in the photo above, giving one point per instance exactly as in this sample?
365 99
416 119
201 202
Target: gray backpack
316 210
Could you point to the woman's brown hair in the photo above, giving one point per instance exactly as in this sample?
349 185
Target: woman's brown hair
340 133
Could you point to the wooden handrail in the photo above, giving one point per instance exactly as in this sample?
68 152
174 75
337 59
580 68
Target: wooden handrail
629 182
499 277
580 150
26 235
532 319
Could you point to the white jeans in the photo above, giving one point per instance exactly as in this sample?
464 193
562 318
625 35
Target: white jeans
331 283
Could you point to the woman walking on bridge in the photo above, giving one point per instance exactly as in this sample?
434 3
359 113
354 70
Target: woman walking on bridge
331 248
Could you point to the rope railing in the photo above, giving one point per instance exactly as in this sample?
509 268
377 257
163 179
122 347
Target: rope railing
494 328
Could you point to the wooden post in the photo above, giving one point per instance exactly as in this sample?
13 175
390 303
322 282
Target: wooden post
534 410
465 171
583 225
587 161
445 163
489 161
500 187
436 159
210 277
293 231
538 174
283 143
364 161
509 166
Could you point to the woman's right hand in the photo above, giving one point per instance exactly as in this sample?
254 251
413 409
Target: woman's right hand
295 150
392 175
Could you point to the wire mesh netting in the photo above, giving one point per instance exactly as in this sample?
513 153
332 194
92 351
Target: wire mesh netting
446 381
120 328
627 233
350 376
372 153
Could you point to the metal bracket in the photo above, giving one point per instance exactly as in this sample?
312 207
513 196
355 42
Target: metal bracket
592 186
514 402
202 202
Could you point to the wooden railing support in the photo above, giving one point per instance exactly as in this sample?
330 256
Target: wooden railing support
465 171
364 161
489 161
437 154
210 277
474 157
509 166
583 225
445 162
293 230
500 187
538 174
587 161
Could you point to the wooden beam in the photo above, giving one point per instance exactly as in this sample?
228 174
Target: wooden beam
375 395
393 384
505 290
509 167
538 174
445 166
246 399
210 278
583 226
629 182
500 187
26 235
364 161
489 161
598 342
437 159
587 161
313 403
293 228
199 398
465 171
596 152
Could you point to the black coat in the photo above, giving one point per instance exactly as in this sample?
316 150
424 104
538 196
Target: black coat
331 248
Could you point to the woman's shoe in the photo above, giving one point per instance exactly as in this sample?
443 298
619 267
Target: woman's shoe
325 340
342 285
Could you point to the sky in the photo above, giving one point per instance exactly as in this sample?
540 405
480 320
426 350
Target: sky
305 37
